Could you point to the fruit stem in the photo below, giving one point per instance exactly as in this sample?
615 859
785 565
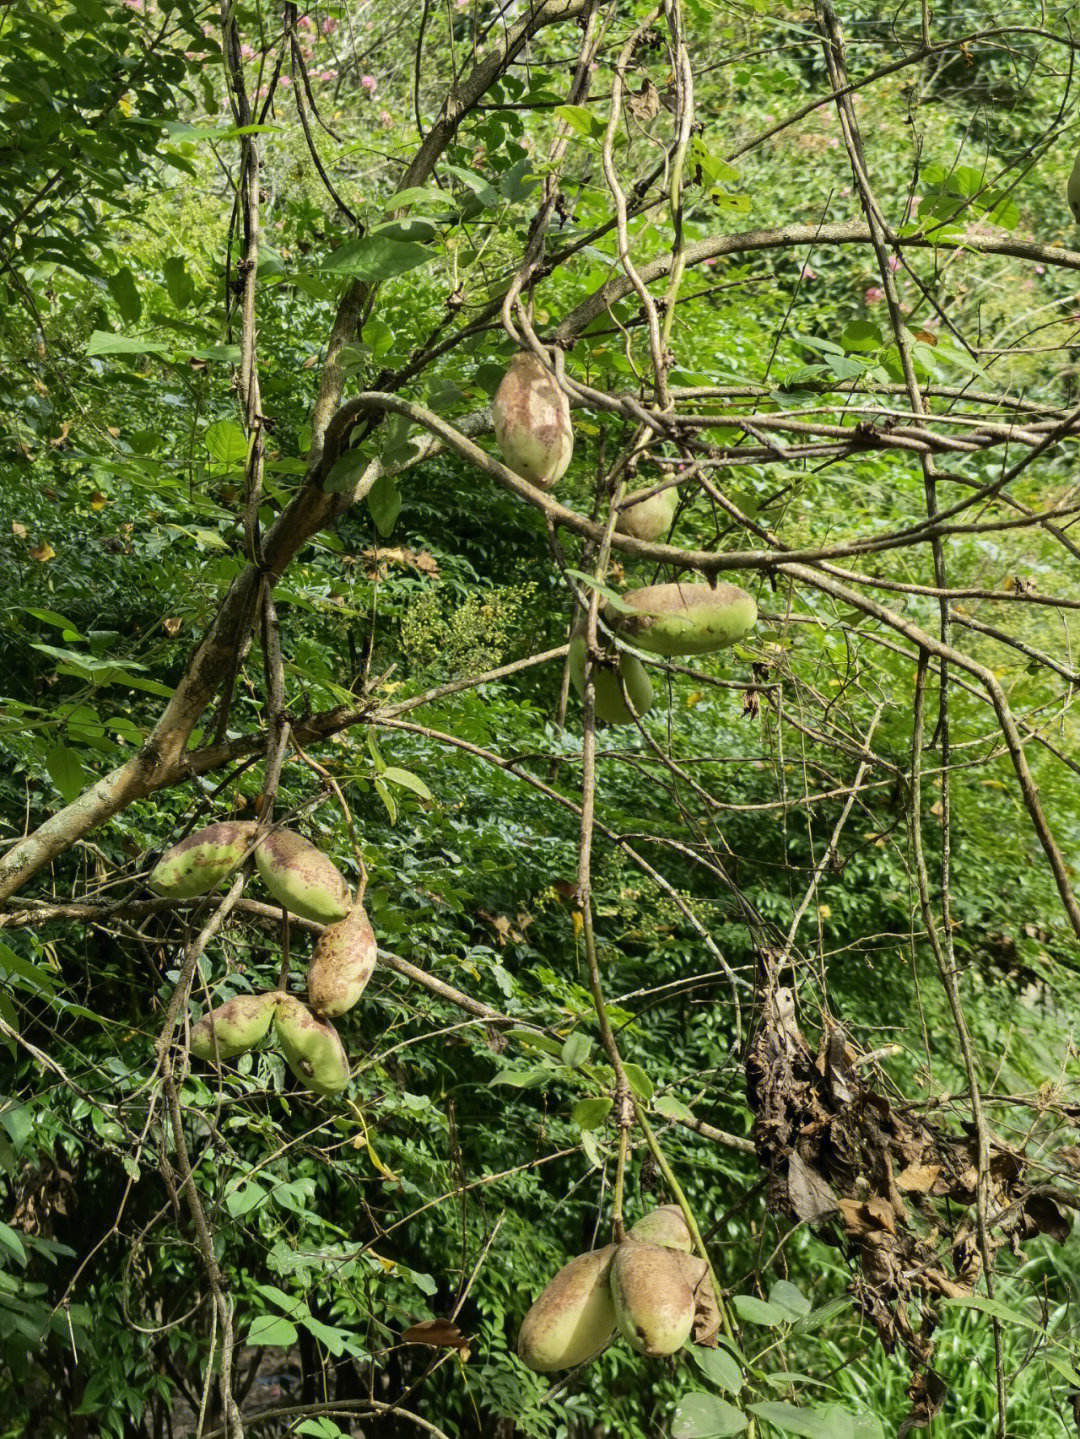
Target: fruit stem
688 1214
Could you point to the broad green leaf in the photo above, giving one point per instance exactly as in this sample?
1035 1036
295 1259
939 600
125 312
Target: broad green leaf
407 780
384 502
996 1309
34 976
639 1081
389 802
581 120
720 1366
375 257
531 1078
831 1423
480 187
862 335
245 1198
756 1311
591 1113
272 1329
178 282
321 1428
103 342
344 472
616 601
11 1241
787 1297
824 1314
227 442
702 1416
576 1050
66 772
672 1108
123 289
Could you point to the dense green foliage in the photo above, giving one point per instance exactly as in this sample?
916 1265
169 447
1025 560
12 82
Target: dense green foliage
473 1157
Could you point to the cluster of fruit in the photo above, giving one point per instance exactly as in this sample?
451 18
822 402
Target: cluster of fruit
651 1289
308 884
532 427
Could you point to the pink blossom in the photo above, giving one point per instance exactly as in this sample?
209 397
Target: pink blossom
386 118
262 92
807 274
307 53
326 75
873 295
369 83
834 143
329 25
135 5
711 260
1040 269
305 23
916 201
846 190
894 263
285 82
246 52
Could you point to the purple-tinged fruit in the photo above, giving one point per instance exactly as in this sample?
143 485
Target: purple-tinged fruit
532 422
235 1026
301 878
654 1304
341 964
311 1047
199 863
573 1319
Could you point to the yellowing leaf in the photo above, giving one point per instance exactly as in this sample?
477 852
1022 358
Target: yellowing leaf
43 552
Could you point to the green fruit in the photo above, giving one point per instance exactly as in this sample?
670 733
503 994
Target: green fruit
199 863
647 519
685 619
608 702
341 963
654 1305
234 1027
311 1047
664 1226
573 1318
532 422
301 877
1073 190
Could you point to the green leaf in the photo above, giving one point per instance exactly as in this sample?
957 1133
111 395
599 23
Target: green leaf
375 257
576 1050
11 1241
322 1428
41 981
672 1108
531 1078
272 1329
245 1198
996 1309
720 1366
756 1311
862 335
227 442
333 1339
786 1296
124 291
614 600
103 342
407 780
581 120
178 282
824 1314
831 1423
389 802
702 1416
639 1082
384 502
480 187
591 1113
344 472
66 772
